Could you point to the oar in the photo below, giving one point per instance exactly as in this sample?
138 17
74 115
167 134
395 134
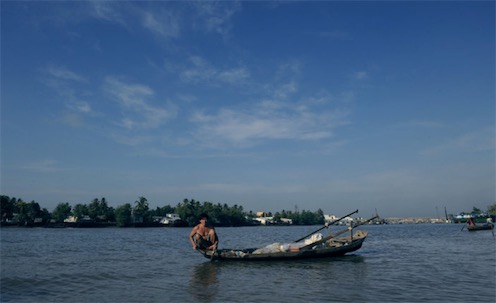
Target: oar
463 227
337 234
201 251
333 222
216 242
212 256
204 252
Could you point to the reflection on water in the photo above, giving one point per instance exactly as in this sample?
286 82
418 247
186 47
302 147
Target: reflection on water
209 278
235 281
295 263
203 284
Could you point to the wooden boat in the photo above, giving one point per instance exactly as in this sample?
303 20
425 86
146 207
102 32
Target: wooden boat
329 248
480 226
473 226
316 246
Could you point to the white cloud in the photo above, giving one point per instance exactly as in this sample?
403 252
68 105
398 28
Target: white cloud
131 140
360 75
43 166
165 24
474 141
201 71
284 84
266 121
105 10
216 15
481 140
138 111
233 75
283 91
63 73
288 70
70 86
72 119
128 95
80 107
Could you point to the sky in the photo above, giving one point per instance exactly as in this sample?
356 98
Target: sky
384 106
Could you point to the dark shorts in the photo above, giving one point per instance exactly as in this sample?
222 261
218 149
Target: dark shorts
202 243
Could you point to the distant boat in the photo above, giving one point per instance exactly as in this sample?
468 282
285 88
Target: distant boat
472 226
480 226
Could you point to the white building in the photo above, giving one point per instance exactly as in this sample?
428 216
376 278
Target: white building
329 218
265 220
170 219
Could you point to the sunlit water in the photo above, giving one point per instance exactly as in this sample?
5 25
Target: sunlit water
397 263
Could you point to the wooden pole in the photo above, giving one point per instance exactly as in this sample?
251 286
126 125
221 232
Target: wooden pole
333 222
335 235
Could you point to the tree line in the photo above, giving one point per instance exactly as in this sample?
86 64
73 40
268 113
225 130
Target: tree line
16 211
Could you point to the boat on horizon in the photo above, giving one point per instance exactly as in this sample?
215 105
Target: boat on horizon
480 226
474 226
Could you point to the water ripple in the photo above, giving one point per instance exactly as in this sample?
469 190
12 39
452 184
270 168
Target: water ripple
410 263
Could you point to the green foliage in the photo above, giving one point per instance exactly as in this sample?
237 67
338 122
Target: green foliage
219 215
123 215
141 206
162 211
140 211
26 213
189 211
475 210
302 218
100 211
491 209
80 210
7 208
23 213
61 211
45 215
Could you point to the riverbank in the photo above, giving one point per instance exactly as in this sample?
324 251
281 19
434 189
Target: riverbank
389 221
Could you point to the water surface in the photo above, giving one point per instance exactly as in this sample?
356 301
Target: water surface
397 263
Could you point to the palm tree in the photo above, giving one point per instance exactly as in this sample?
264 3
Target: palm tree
140 209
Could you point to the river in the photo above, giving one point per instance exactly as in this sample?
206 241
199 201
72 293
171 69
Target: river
397 263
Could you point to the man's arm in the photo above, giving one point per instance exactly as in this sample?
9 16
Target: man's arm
191 235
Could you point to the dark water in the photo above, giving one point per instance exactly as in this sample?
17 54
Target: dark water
398 263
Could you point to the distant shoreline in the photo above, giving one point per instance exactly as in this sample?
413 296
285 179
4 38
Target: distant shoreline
388 221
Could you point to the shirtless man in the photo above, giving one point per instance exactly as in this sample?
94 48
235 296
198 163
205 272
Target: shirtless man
202 236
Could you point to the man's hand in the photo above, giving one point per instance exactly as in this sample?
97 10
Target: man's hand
213 247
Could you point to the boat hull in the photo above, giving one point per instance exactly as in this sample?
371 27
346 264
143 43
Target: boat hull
487 226
334 248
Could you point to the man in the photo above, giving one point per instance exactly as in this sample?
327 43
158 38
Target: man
203 236
471 222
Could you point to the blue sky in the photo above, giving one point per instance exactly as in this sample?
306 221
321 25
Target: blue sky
269 105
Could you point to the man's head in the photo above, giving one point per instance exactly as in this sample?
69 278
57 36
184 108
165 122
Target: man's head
203 216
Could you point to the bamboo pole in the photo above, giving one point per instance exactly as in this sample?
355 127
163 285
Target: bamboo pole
327 225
